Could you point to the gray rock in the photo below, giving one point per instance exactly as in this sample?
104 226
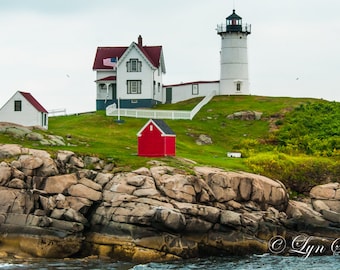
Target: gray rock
89 183
64 156
327 191
5 175
17 183
319 205
203 140
170 219
75 161
143 171
59 183
80 190
56 140
34 136
30 162
230 218
103 178
18 132
197 225
136 180
10 150
245 115
331 216
73 215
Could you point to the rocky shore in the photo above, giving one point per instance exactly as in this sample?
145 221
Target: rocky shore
55 207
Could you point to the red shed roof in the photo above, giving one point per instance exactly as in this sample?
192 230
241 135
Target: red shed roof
161 125
33 101
152 53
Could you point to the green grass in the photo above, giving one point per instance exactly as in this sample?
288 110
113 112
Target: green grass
98 135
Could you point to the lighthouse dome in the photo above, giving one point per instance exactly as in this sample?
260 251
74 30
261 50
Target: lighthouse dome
234 23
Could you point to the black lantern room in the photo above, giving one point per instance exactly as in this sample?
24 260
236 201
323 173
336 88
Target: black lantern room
234 23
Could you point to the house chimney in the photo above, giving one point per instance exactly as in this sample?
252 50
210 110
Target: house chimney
140 41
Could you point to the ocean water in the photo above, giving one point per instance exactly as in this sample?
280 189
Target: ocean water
265 261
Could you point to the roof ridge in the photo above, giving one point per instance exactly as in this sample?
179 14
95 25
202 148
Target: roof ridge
35 103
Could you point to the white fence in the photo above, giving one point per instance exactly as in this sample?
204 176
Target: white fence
112 110
57 112
199 106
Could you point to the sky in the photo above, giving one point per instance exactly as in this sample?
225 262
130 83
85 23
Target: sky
47 48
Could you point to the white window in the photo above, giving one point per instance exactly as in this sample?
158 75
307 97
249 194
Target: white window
17 105
134 65
134 87
195 90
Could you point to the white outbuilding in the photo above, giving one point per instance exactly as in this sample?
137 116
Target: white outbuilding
23 109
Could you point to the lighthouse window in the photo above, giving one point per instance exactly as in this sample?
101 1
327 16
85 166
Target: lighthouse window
238 86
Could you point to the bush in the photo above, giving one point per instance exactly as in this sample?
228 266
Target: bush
298 173
313 129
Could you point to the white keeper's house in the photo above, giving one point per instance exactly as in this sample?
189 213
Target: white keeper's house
131 77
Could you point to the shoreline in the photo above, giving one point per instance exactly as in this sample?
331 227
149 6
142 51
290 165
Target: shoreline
56 208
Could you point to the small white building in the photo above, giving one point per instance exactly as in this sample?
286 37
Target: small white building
183 91
23 109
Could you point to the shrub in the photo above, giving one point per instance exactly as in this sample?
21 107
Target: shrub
298 173
313 129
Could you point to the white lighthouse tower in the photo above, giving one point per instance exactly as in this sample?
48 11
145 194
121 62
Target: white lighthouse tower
234 57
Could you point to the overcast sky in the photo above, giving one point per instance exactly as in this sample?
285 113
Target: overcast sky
47 48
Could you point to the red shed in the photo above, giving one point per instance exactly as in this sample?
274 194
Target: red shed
156 139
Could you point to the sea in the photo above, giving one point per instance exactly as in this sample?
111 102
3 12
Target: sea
266 261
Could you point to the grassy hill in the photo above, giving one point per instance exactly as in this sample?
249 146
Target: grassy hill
267 145
102 136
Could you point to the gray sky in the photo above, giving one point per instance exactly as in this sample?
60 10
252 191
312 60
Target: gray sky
47 48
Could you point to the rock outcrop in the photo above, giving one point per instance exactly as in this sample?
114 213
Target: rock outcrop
31 134
55 207
245 115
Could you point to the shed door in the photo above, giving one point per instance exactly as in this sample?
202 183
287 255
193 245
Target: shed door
168 95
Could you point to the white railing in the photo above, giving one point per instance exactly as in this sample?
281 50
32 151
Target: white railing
112 110
199 106
222 28
57 112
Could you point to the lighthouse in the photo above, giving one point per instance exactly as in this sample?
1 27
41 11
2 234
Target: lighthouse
234 56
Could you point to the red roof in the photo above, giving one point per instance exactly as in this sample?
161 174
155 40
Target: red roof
152 53
109 78
33 101
189 83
